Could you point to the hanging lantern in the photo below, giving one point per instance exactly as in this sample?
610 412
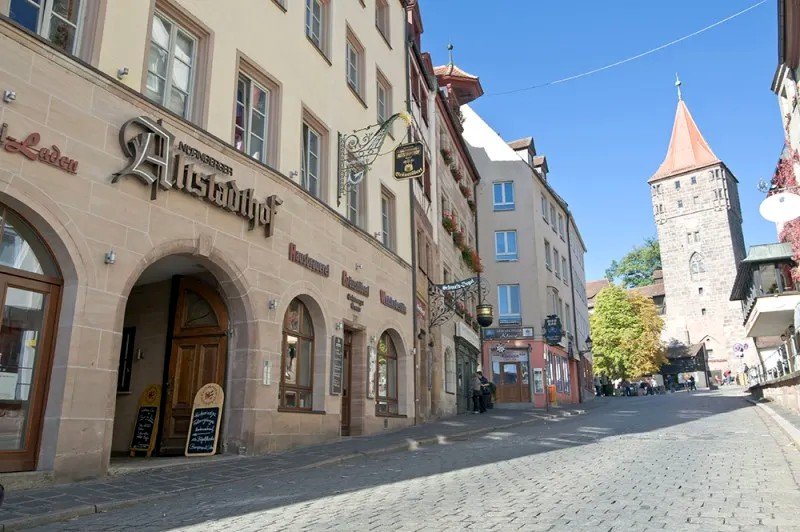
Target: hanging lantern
485 314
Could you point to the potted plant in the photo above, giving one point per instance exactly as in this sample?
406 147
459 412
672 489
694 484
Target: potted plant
456 171
475 261
447 155
466 256
458 238
449 222
464 190
472 205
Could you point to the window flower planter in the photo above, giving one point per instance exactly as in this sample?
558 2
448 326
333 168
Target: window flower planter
447 155
465 191
456 171
449 222
472 205
458 238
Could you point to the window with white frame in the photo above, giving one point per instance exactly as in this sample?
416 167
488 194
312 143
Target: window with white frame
383 92
316 12
312 160
58 21
355 210
252 118
382 18
171 65
508 303
553 217
544 208
547 257
561 226
387 219
354 64
505 246
503 196
564 275
556 262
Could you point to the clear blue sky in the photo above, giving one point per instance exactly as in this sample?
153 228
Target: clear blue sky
606 134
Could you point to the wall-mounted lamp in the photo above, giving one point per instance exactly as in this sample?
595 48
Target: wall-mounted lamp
9 96
272 304
293 174
122 72
359 266
339 325
378 235
111 257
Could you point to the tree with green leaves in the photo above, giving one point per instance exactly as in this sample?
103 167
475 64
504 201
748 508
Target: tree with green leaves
626 330
636 268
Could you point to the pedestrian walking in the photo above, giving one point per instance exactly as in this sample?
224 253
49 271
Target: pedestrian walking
478 405
692 387
486 391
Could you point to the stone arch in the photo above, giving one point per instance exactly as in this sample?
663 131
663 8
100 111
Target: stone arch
405 365
312 298
696 265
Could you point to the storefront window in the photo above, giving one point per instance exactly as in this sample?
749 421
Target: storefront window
21 248
538 380
387 376
297 363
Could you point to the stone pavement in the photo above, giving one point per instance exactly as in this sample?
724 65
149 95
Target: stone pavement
43 505
699 461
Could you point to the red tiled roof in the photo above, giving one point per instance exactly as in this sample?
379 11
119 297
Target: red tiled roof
452 70
594 287
688 150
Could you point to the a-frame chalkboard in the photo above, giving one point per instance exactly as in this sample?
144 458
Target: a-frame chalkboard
146 424
205 421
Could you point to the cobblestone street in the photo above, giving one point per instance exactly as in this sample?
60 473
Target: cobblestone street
706 461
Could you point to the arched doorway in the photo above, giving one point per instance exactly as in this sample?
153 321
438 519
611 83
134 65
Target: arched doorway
30 284
175 335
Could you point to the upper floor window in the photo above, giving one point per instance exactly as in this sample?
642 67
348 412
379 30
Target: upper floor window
696 266
544 208
561 226
382 18
694 180
58 21
505 245
677 185
315 21
508 303
354 64
252 118
312 159
383 93
387 219
547 258
556 262
553 217
564 274
355 209
503 194
680 204
170 66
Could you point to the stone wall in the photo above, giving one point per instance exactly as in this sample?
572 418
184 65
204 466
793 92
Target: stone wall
784 391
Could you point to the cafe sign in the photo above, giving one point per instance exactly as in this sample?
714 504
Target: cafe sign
553 331
30 149
507 333
157 163
409 161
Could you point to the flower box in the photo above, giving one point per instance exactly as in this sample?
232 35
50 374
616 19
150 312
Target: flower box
465 191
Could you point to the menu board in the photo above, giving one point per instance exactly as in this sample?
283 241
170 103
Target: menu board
146 424
205 421
337 365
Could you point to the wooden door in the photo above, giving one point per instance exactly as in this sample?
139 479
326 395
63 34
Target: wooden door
346 377
198 356
510 381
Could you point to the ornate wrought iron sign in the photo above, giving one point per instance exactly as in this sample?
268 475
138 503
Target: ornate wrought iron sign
444 298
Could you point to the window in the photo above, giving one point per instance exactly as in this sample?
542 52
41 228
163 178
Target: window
553 217
547 255
170 66
703 311
696 266
696 200
252 118
354 65
564 275
355 198
694 180
387 219
503 196
680 204
567 318
697 236
315 22
297 360
505 246
382 18
312 160
677 185
544 208
561 226
700 291
386 400
556 262
538 381
449 371
58 21
508 303
383 93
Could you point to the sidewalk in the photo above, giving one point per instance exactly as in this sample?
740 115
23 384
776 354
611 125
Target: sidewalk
60 502
785 418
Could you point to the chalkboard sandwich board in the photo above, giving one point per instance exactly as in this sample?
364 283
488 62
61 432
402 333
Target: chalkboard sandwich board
146 424
205 421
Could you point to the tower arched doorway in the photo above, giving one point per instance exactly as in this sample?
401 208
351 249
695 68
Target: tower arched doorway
30 288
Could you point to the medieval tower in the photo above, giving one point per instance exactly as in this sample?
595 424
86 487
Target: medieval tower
699 220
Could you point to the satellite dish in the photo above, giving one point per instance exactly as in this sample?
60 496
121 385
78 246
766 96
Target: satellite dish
780 207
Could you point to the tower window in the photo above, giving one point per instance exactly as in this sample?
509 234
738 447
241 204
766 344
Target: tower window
696 266
694 180
703 311
680 204
700 291
677 185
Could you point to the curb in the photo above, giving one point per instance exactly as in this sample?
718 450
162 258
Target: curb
790 430
88 509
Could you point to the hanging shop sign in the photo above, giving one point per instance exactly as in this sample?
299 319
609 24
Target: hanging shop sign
409 161
392 303
337 365
507 333
29 148
151 160
553 332
304 260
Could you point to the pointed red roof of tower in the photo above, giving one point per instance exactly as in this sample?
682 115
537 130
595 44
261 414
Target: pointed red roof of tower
688 150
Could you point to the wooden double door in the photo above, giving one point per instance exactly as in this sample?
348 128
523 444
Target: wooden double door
197 356
512 383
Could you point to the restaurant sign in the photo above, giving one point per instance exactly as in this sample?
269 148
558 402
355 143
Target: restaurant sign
148 145
392 303
553 332
409 161
507 333
29 148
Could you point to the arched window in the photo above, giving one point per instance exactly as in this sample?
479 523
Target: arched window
297 360
696 266
387 376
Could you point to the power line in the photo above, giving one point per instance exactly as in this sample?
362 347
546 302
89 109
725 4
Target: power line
632 58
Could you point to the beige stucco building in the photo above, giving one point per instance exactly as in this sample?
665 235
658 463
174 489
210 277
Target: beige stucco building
173 217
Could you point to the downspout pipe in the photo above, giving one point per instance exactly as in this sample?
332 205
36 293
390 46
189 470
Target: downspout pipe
415 325
574 312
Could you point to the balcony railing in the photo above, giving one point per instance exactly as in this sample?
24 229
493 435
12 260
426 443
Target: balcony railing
768 280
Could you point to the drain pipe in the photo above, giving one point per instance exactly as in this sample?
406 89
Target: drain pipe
415 362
